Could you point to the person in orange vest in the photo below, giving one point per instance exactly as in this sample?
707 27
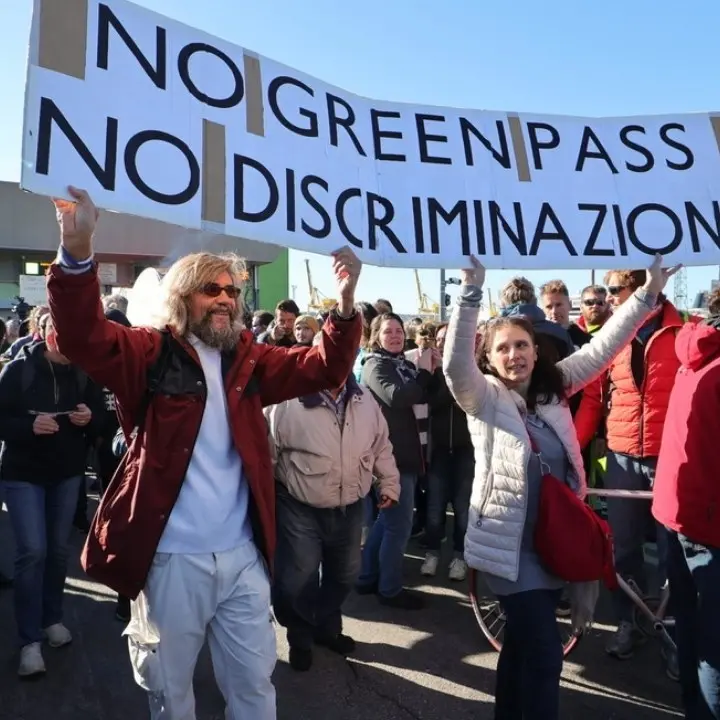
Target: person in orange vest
636 390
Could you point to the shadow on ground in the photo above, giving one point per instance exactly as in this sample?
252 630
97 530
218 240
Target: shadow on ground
408 666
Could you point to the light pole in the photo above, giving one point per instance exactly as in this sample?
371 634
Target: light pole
444 297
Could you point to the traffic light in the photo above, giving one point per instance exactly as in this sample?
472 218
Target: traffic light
447 300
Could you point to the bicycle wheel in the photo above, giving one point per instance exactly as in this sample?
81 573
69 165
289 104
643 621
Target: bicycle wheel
491 618
641 622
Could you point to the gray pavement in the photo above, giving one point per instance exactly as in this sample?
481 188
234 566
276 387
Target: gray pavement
433 664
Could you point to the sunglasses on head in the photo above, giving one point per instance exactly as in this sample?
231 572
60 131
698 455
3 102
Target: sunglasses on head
591 302
214 290
616 289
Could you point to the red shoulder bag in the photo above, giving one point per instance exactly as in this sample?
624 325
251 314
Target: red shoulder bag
572 541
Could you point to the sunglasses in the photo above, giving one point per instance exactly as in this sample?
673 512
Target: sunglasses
616 289
213 290
591 302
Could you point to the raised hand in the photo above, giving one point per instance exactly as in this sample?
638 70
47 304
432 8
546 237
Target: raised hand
658 276
77 220
346 268
474 275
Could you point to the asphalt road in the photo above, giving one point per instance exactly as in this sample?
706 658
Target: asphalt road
428 665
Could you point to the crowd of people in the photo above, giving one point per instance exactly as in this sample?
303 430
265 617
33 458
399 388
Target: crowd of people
249 461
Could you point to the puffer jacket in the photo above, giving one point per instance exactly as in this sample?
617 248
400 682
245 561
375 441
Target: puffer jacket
501 441
323 465
686 494
637 409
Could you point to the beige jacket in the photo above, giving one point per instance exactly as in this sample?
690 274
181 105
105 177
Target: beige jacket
324 467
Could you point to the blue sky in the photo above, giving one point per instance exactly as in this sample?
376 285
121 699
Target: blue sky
559 56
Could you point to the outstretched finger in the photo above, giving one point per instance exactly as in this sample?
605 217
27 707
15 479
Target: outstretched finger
78 194
671 271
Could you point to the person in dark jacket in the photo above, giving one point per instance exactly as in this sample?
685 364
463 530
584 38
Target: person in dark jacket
452 469
281 333
48 409
402 390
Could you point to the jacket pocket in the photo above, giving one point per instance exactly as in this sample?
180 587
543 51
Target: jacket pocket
306 477
479 510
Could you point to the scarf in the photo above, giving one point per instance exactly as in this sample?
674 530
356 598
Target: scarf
407 372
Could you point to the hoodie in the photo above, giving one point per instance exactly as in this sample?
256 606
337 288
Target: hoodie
558 335
686 495
43 459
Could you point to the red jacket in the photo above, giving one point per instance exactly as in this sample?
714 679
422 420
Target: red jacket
686 495
637 413
132 517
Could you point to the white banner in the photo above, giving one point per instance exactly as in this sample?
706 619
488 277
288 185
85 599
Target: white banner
163 121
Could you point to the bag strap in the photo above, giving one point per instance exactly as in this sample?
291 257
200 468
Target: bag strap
155 375
544 467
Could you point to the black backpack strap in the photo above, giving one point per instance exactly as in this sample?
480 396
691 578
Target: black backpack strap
155 374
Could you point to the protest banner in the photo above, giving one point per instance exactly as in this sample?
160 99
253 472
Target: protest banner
161 120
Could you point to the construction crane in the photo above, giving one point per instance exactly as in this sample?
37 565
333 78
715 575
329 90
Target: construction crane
426 307
680 298
317 301
492 310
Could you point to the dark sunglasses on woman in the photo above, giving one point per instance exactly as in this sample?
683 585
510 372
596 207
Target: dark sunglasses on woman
616 289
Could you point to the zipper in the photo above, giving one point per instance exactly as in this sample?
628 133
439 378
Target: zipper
56 389
642 387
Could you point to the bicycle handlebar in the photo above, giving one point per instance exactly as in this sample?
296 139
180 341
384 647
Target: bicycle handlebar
635 494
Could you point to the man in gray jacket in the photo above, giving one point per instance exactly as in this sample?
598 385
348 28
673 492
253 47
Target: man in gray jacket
326 449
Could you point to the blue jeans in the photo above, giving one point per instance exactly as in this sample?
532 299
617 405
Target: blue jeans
630 520
449 481
527 681
384 551
694 572
316 563
41 518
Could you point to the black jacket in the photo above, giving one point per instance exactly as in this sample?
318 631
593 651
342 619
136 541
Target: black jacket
448 423
396 399
44 459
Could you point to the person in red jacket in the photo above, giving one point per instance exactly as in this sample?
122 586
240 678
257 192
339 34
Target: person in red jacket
686 500
636 388
187 526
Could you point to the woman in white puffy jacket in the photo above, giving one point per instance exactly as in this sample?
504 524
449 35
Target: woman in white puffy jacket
518 391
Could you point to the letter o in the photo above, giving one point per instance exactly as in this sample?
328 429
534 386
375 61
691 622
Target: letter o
667 212
184 69
131 151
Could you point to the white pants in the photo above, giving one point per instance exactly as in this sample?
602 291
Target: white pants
224 594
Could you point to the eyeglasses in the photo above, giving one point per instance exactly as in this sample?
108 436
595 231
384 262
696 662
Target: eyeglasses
616 289
214 290
591 302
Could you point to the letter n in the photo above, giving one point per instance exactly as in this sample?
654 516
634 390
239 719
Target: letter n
50 114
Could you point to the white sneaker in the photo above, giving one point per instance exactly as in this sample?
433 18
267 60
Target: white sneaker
31 660
58 635
430 565
458 569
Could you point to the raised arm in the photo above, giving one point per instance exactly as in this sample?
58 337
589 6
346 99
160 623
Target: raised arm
583 366
288 373
112 355
467 384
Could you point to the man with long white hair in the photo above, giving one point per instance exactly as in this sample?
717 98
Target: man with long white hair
187 527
